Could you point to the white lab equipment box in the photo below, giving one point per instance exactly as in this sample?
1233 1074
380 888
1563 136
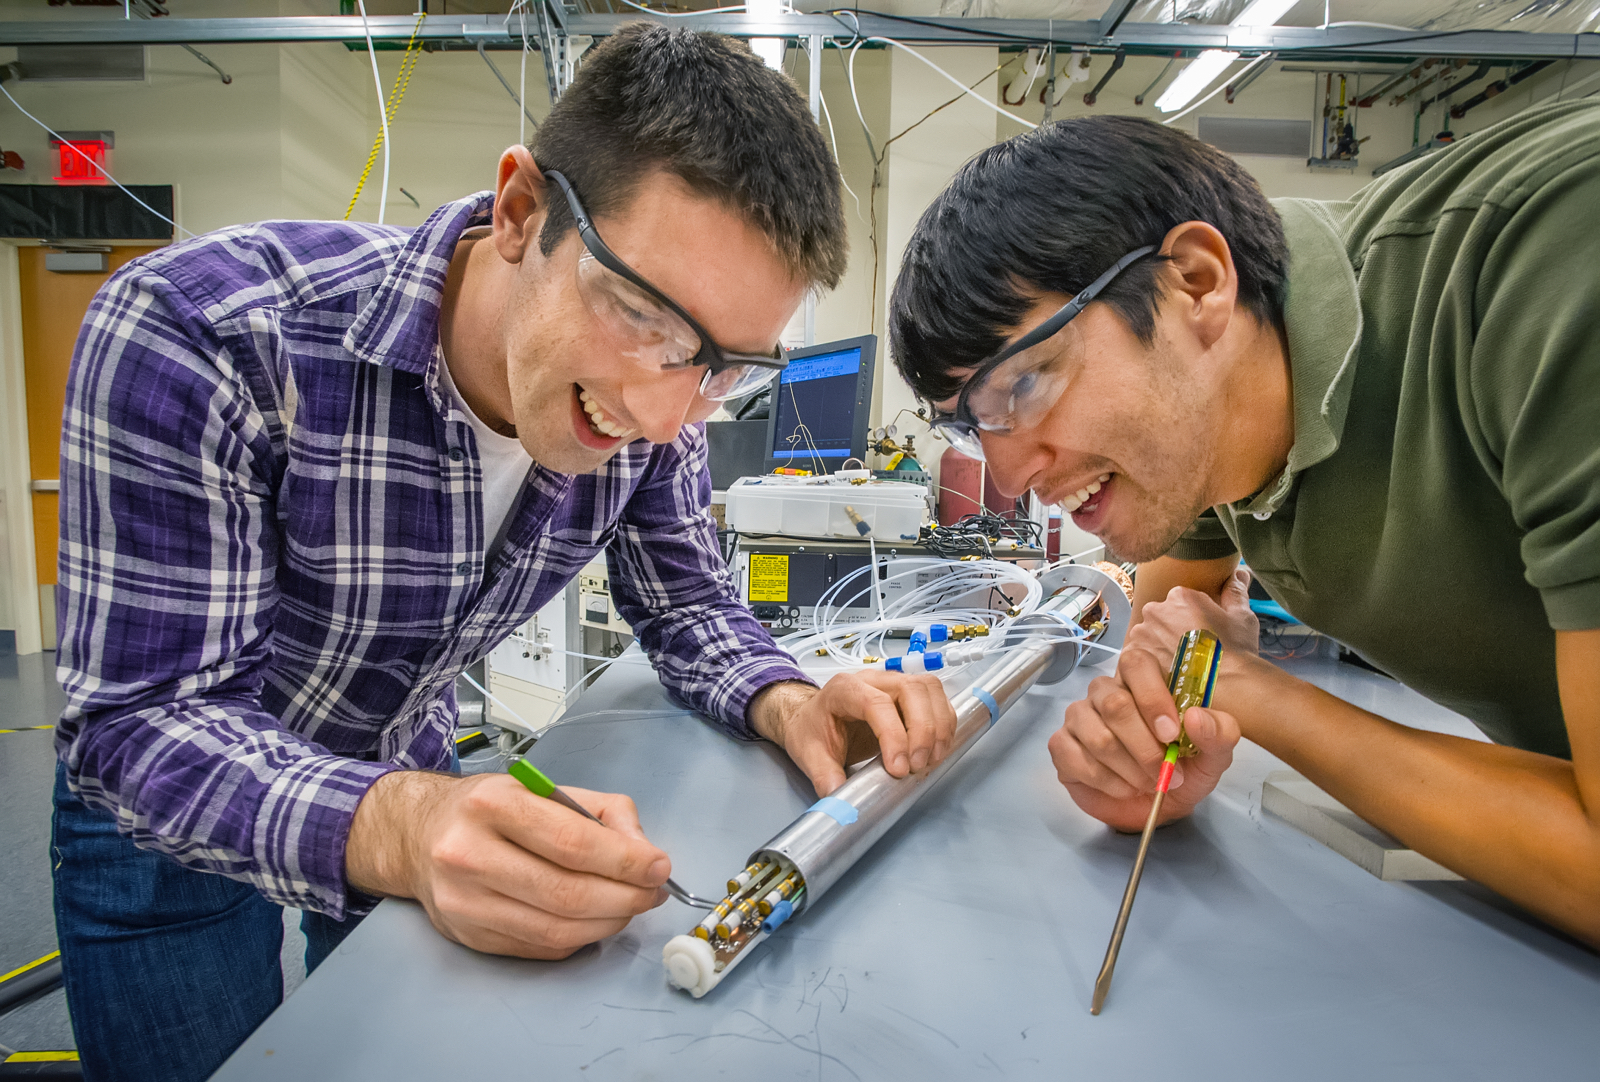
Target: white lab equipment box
827 507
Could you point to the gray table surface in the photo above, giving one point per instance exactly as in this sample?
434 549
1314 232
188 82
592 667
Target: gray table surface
966 943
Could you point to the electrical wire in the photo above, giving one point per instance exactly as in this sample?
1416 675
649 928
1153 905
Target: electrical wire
1281 643
522 84
383 120
520 95
802 431
833 141
850 73
408 65
978 533
66 143
520 103
957 82
492 697
949 582
878 156
947 596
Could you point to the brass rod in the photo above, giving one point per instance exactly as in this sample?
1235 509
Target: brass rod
1102 984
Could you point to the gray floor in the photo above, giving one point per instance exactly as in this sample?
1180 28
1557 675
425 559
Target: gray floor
30 696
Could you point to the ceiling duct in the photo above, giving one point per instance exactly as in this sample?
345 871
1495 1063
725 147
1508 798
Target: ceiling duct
81 63
1251 135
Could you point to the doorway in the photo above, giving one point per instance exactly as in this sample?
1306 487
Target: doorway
54 303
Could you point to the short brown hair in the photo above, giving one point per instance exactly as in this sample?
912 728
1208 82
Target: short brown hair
706 109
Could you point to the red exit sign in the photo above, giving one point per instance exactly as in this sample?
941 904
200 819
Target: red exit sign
81 157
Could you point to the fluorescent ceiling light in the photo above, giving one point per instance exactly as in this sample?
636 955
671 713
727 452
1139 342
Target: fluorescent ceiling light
1194 78
1264 12
1199 72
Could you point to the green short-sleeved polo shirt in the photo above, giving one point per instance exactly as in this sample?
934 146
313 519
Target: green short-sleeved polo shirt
1440 511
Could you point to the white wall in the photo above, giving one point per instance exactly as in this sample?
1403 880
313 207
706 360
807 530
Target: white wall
449 131
927 151
849 310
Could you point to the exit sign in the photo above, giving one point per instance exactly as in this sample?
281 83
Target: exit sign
77 155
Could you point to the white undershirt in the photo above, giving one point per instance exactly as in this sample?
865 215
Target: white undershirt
503 460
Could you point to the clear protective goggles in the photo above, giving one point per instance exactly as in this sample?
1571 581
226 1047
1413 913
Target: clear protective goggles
652 328
1014 390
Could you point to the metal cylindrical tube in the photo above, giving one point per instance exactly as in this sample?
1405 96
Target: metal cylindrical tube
829 838
824 844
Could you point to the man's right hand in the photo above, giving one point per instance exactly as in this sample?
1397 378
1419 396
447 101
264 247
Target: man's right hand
500 870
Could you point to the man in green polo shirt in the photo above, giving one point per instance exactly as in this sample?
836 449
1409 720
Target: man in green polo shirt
1390 407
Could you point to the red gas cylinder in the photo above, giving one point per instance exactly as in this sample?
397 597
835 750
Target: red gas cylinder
959 478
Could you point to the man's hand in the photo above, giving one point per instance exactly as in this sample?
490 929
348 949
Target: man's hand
1108 758
1109 749
907 718
500 870
1227 616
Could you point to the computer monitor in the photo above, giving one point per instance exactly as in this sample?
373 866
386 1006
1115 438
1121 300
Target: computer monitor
820 403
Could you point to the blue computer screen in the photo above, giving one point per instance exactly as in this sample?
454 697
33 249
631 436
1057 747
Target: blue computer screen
816 404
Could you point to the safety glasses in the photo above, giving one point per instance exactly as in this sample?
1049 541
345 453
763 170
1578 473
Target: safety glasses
1015 389
653 329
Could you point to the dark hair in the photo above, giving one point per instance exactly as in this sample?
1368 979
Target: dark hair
703 107
1051 210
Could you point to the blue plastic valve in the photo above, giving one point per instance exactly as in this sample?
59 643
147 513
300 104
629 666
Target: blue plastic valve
781 912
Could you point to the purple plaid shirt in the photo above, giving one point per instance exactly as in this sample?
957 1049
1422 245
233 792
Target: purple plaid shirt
272 548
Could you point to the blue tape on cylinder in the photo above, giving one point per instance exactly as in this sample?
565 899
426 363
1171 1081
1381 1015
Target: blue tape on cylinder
840 811
987 700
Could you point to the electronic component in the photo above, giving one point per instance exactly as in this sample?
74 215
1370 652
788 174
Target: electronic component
818 417
1073 606
596 608
783 581
826 507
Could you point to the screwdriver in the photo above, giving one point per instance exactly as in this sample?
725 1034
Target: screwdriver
1193 678
533 779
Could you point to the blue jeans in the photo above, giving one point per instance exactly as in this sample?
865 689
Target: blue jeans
167 970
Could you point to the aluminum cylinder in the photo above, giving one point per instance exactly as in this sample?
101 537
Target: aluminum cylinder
829 838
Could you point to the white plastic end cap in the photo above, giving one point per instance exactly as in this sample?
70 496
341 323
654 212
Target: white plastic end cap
691 964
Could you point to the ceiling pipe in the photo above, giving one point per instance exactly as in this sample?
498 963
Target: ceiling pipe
1495 88
1479 73
1234 89
1116 65
1383 87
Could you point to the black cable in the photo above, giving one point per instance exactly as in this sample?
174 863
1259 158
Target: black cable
976 534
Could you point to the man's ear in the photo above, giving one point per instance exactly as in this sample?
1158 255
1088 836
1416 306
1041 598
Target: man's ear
1201 274
520 205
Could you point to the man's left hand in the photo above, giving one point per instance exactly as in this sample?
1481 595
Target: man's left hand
908 717
1109 749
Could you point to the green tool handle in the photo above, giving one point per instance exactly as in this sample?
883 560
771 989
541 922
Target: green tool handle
535 781
538 784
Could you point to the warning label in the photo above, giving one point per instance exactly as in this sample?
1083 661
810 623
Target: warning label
769 578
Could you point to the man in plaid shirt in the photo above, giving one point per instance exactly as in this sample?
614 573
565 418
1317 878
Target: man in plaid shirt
312 470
